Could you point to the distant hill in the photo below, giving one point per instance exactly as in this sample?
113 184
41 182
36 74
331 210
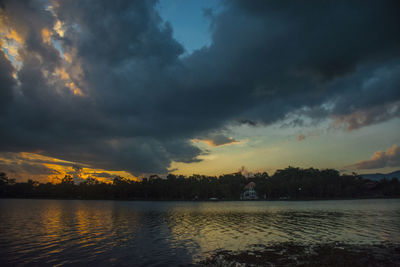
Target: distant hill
380 176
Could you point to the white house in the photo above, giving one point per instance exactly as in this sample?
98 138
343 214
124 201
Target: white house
249 193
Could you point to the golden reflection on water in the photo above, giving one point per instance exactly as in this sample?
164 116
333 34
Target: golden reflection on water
51 219
214 227
52 232
90 225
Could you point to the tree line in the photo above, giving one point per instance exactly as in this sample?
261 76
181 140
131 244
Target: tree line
290 183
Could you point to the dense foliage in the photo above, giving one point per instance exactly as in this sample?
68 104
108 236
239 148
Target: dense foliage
290 183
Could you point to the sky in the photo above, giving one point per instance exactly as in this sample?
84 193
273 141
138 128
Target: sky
133 88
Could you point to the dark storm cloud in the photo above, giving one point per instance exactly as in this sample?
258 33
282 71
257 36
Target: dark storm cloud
291 55
103 129
141 102
6 82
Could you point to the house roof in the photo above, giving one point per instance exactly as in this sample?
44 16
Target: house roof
250 185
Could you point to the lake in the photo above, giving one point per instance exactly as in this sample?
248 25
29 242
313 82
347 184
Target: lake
78 232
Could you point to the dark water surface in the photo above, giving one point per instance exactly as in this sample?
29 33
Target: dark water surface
77 232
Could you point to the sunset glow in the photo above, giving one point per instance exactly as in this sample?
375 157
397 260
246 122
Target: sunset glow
156 87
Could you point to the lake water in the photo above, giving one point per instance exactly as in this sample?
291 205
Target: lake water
70 232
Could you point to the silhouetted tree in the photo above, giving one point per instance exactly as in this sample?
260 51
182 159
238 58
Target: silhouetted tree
289 183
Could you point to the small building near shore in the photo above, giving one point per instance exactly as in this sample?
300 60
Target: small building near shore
249 192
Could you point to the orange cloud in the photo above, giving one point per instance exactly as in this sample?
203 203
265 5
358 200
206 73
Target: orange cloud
24 165
63 74
76 90
59 29
381 159
301 137
13 35
10 41
46 36
67 57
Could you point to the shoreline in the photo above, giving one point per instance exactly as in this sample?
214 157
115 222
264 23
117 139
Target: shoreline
205 200
295 254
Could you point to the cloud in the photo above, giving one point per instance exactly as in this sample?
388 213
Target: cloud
291 56
45 169
33 166
103 128
361 118
381 159
19 167
6 82
102 174
27 168
106 85
301 137
215 140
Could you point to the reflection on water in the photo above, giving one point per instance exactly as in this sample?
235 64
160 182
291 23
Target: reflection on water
64 232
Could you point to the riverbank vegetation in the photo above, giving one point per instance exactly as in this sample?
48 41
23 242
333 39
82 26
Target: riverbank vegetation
290 183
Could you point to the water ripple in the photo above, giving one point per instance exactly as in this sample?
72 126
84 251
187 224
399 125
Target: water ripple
61 232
